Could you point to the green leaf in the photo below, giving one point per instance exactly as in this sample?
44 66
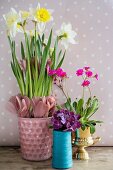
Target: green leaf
39 53
54 59
92 129
58 107
93 108
88 102
61 61
32 45
28 56
67 106
59 56
82 120
43 37
43 64
69 100
75 105
80 106
83 127
22 51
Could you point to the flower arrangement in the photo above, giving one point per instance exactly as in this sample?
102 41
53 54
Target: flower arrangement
86 109
40 61
64 120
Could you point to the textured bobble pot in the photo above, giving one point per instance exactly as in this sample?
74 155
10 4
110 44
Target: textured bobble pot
62 150
35 138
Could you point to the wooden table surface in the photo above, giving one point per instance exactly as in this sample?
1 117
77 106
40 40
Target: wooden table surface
101 158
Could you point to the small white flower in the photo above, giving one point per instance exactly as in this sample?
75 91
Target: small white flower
24 15
12 18
67 35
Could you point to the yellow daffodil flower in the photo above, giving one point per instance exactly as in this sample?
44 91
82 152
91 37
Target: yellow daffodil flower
42 15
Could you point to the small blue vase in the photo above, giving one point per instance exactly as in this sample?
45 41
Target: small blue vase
62 150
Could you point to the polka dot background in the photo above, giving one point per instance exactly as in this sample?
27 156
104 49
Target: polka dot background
93 21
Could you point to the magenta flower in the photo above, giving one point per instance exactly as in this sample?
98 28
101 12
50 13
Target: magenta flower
87 68
51 72
86 83
88 73
79 72
61 73
96 76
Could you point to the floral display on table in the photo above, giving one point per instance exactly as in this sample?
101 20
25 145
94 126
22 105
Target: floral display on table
35 71
86 108
63 122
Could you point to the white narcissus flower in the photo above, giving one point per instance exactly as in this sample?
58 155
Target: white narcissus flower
67 35
24 15
41 16
12 18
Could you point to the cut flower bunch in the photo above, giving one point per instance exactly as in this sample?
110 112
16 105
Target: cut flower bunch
40 58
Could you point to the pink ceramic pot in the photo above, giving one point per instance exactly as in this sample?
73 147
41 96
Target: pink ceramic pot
35 138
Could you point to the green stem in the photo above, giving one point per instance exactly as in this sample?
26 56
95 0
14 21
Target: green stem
36 64
50 87
29 67
89 92
83 93
64 92
66 97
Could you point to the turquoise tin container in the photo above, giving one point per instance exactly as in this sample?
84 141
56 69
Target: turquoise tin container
62 150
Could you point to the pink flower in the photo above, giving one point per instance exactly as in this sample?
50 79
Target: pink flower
96 76
86 83
87 68
88 73
51 72
79 72
60 73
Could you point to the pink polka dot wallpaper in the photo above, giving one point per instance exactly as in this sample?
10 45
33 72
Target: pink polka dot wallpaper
93 22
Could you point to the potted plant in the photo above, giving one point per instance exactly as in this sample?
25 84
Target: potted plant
35 70
86 108
63 122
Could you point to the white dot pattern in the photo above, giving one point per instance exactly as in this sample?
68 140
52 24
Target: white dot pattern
93 21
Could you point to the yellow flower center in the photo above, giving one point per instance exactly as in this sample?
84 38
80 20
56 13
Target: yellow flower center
18 26
65 35
43 15
11 20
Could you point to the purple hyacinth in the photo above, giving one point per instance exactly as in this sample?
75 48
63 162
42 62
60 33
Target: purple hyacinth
65 120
